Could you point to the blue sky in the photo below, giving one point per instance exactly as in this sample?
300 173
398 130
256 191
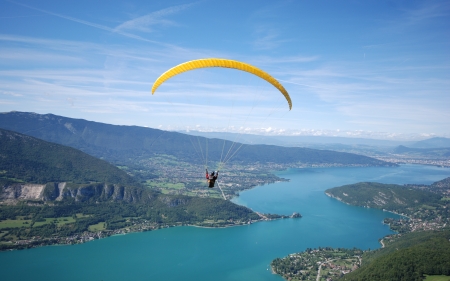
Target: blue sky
377 69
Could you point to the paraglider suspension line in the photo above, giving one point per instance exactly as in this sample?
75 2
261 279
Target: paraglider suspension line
223 194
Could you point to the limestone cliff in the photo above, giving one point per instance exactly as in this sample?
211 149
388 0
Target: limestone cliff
13 193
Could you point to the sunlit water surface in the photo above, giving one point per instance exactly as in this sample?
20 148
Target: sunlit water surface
235 253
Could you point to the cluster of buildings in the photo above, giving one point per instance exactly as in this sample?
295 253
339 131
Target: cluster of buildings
85 236
314 264
405 160
415 224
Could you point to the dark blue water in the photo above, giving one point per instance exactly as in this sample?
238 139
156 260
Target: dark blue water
236 253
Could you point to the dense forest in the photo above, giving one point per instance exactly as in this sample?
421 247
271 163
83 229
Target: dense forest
427 207
32 160
392 197
408 259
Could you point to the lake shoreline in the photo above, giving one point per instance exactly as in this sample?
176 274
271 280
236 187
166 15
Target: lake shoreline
91 236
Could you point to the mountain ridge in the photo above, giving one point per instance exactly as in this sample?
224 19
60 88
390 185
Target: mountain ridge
121 143
37 161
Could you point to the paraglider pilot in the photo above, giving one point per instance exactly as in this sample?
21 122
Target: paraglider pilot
211 178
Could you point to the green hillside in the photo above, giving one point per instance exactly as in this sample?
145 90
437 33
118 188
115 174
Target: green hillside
408 259
392 197
414 253
27 159
427 206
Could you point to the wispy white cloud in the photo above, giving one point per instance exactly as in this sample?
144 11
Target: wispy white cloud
95 25
419 15
146 23
360 93
27 55
426 12
18 17
9 93
266 60
7 102
45 50
268 28
124 67
50 44
382 95
268 38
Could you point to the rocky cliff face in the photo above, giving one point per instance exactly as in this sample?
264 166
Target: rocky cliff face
11 194
17 192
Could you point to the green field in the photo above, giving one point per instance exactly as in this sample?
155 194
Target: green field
97 227
79 215
58 221
165 185
20 222
14 223
165 191
437 278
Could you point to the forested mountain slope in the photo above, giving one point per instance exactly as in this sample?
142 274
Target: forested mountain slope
427 206
121 144
36 161
408 259
392 197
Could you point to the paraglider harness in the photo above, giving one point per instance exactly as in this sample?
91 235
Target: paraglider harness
211 178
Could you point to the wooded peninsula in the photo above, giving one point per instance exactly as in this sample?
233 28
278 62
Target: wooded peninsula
420 250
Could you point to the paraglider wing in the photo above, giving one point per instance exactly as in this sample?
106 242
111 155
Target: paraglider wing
216 62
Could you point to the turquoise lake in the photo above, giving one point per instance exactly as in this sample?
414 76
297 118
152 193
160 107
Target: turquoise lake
235 253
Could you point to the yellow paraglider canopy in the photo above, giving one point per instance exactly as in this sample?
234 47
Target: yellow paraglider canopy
217 62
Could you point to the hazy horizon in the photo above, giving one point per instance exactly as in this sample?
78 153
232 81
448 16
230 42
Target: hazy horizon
306 134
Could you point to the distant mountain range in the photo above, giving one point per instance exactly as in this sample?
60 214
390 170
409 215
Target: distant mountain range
433 148
306 141
443 152
125 144
436 142
432 143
